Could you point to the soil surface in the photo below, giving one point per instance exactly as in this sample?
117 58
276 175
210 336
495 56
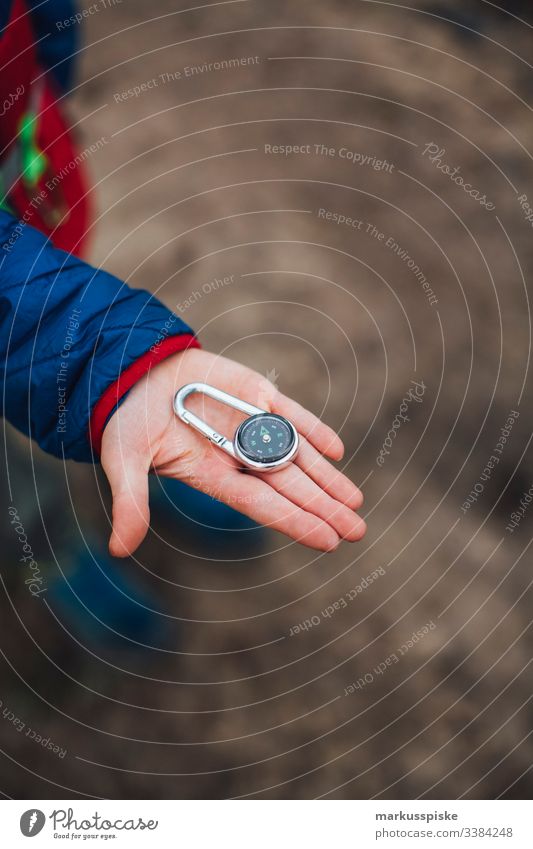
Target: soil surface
331 193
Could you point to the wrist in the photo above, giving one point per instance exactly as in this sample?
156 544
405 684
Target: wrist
117 391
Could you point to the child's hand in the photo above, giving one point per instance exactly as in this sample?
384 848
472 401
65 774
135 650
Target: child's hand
309 500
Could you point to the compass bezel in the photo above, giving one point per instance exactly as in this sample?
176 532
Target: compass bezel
266 465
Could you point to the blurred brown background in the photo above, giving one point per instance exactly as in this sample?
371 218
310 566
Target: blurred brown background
228 703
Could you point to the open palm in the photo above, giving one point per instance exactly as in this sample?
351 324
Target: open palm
310 500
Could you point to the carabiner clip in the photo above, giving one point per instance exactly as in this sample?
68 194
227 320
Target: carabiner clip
264 441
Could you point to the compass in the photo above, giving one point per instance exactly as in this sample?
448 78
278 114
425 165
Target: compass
265 438
263 441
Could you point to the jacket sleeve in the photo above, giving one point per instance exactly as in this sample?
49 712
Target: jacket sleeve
73 341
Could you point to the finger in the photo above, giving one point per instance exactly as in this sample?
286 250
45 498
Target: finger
296 486
256 499
327 476
318 433
128 478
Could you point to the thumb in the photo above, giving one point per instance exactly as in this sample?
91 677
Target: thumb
128 478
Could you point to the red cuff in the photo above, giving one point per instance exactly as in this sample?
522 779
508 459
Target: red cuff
129 377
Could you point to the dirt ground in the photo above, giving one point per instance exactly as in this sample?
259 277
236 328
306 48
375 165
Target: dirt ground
426 286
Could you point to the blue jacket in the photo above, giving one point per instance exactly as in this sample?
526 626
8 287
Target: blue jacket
67 330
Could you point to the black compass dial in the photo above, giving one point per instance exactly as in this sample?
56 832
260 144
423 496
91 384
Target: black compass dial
265 438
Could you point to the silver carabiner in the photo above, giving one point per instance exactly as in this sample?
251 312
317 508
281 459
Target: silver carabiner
263 441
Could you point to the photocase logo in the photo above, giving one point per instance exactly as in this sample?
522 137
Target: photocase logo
32 822
265 391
